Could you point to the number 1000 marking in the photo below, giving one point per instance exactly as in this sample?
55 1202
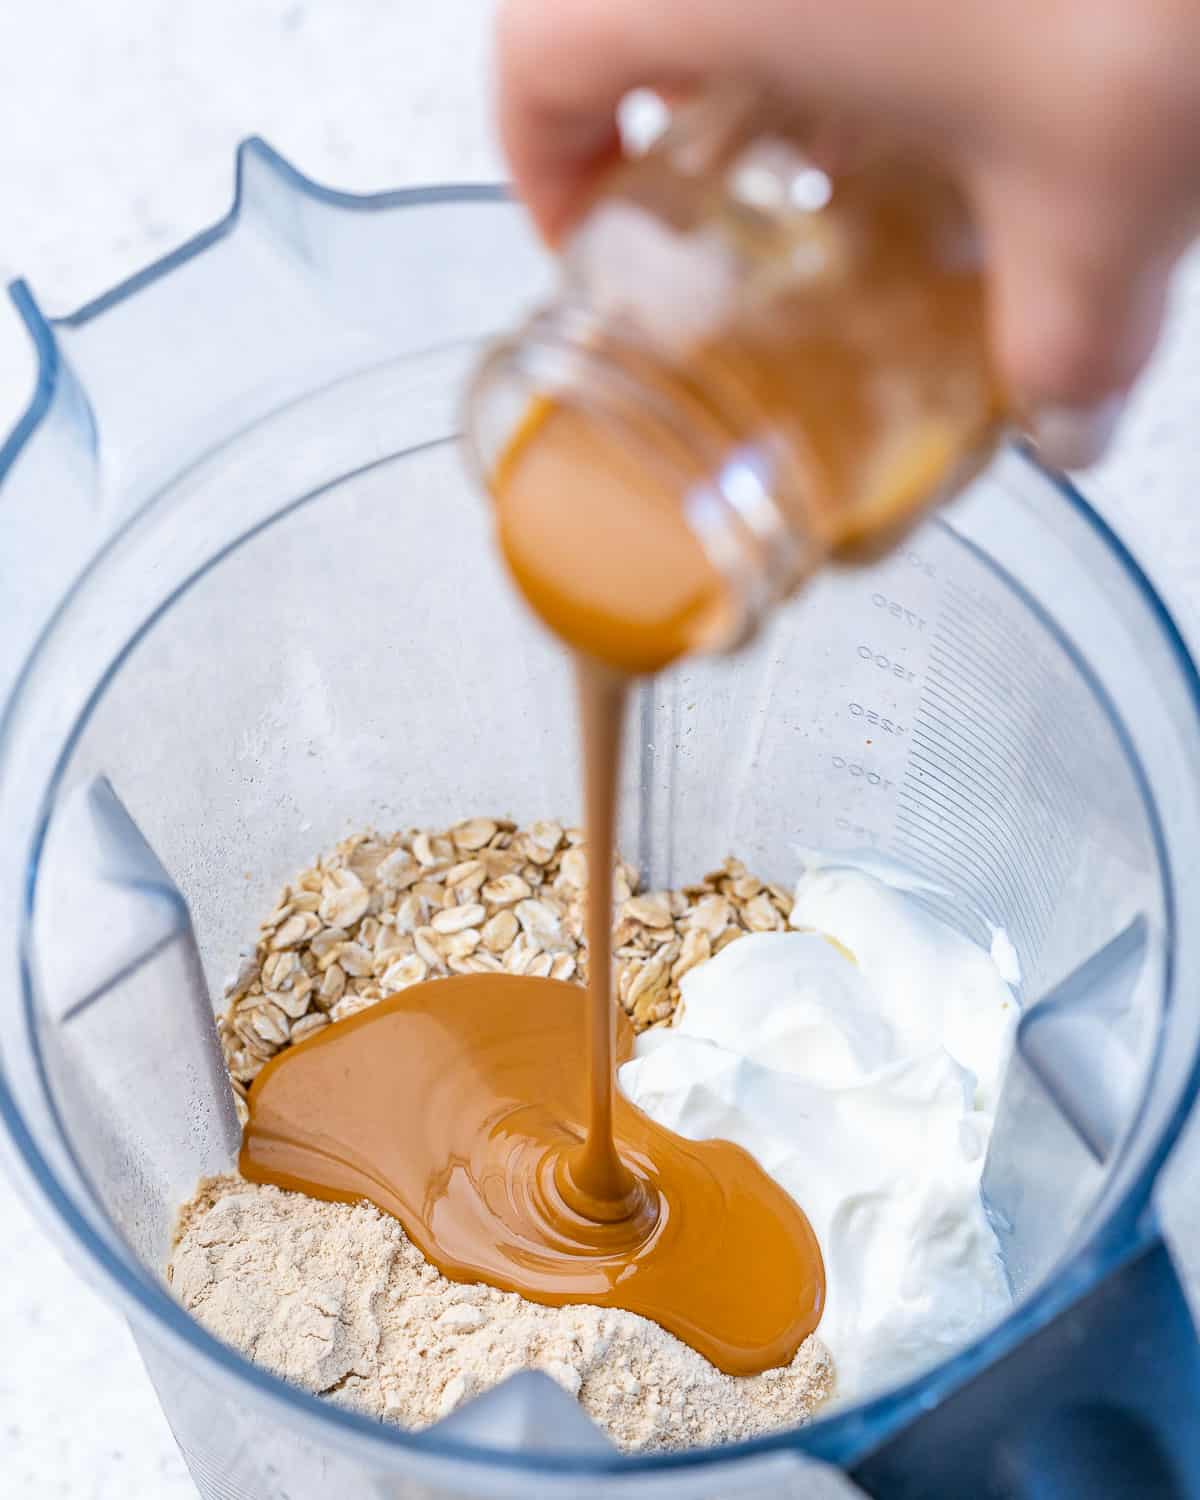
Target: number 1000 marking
857 769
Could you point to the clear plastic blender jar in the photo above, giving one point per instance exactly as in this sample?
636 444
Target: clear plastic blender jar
250 606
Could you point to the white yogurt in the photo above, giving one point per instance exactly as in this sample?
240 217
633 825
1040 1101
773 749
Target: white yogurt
868 1090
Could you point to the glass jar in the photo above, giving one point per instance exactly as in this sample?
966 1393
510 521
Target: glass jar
753 364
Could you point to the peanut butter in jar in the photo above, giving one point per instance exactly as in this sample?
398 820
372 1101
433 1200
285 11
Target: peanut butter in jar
753 365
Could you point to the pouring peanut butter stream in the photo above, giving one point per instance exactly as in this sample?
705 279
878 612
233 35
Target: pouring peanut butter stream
482 1110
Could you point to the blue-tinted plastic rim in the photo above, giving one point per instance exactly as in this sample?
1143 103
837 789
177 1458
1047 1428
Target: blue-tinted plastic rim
841 1438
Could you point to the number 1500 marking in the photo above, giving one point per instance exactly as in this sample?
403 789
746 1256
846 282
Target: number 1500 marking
888 664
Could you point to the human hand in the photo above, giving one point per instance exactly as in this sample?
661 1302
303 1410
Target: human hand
1074 128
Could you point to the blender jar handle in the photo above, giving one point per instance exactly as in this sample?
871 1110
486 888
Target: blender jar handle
1102 1402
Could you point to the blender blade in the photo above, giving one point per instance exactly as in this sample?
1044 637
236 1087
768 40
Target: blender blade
1067 1090
528 1412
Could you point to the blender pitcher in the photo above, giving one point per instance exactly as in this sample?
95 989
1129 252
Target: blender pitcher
250 605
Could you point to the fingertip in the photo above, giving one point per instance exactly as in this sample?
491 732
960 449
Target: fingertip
556 112
1056 344
556 190
1071 325
1072 437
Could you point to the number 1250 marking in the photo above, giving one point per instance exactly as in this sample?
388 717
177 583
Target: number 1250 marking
889 726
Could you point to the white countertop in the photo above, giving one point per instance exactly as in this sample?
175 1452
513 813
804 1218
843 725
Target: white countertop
121 123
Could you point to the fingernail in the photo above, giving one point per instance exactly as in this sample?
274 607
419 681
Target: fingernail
1071 437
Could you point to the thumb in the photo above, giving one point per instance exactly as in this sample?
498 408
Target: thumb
1075 308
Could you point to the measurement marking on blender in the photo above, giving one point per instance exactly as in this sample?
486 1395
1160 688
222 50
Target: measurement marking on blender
967 668
1046 870
982 705
959 816
877 720
972 796
1043 771
969 748
966 605
1043 781
1043 777
970 715
979 753
961 875
899 611
1031 855
965 637
942 858
1007 682
921 564
857 769
995 834
887 663
1029 852
944 867
973 716
982 894
1043 765
995 623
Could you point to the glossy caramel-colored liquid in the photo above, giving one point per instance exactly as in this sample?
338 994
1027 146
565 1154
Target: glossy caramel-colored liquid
482 1111
461 1106
601 548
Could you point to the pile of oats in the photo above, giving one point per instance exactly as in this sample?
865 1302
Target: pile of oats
381 913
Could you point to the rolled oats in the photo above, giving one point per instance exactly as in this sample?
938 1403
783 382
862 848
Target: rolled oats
357 960
541 841
294 931
402 973
465 872
500 931
506 891
461 944
344 899
425 941
456 918
541 921
333 982
378 914
474 833
760 915
311 1023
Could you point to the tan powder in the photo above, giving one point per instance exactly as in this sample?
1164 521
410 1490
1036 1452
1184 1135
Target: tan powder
335 1299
